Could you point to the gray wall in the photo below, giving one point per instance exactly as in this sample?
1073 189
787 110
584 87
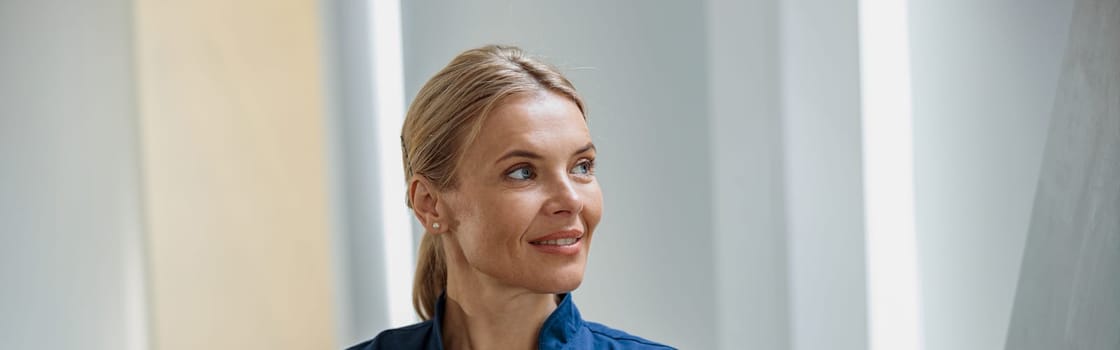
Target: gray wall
1068 294
70 217
984 77
748 195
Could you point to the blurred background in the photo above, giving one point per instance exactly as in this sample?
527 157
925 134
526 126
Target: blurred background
798 174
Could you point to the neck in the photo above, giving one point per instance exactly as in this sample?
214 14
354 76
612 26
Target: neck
482 315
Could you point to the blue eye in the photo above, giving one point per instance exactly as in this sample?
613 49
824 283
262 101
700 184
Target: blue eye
523 173
583 168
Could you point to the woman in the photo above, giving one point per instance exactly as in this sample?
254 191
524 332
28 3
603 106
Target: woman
501 172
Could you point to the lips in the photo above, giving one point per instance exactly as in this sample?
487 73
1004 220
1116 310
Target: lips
567 243
562 241
559 238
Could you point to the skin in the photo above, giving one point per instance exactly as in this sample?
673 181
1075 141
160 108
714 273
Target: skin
529 173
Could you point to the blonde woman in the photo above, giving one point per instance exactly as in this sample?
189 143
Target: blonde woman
500 170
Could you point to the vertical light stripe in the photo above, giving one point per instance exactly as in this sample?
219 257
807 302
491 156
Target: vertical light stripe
388 82
893 300
136 286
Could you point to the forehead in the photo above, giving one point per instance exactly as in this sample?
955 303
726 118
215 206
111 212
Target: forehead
533 119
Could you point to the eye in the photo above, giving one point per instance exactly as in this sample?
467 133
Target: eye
584 167
522 173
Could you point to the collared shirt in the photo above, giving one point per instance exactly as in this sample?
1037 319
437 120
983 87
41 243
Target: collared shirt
564 329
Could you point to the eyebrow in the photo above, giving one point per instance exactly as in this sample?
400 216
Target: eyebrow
531 155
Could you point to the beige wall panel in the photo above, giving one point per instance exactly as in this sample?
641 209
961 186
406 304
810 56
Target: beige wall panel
232 137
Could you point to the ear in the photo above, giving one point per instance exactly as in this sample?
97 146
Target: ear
426 205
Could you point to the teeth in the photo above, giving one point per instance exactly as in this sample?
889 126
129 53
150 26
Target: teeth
562 241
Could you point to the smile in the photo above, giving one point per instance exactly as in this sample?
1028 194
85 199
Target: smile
557 242
565 243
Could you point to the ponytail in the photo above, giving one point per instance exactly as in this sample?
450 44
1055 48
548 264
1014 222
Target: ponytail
431 276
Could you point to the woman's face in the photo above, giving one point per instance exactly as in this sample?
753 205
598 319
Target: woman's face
527 200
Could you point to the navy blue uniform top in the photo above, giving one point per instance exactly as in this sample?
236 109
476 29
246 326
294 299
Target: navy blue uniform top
564 329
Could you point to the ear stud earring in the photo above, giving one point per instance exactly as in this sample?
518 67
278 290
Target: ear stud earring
435 225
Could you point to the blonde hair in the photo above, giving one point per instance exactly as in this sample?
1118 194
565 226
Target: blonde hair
446 115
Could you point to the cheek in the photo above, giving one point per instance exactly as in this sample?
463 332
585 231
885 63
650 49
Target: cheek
496 223
508 215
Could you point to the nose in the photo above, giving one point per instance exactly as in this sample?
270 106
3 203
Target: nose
563 198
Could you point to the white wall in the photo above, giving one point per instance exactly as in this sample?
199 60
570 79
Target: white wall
361 303
641 67
824 180
747 175
70 217
984 77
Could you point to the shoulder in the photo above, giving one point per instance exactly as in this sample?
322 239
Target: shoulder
604 335
409 337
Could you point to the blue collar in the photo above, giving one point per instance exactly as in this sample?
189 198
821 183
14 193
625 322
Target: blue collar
563 329
561 326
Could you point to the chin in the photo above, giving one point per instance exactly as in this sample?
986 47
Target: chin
565 280
558 288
